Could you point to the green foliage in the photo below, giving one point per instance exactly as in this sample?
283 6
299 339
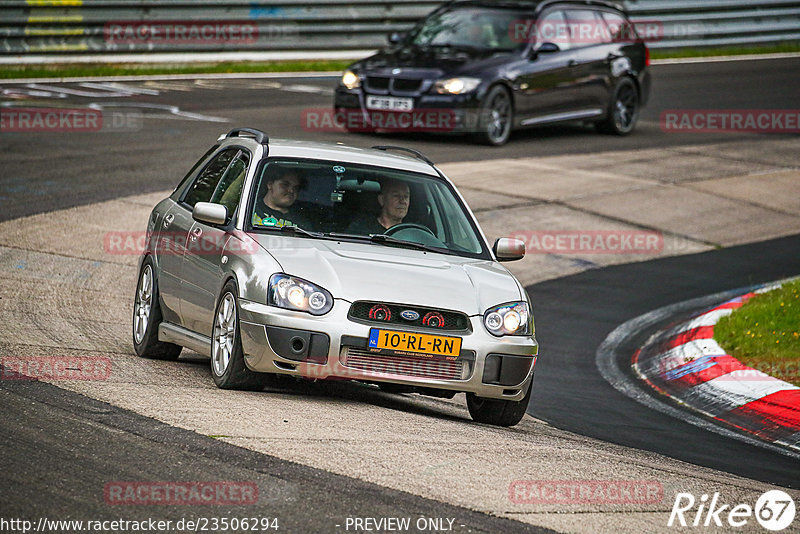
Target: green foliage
765 333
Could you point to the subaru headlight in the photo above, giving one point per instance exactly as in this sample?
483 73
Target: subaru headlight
295 293
512 319
351 80
456 86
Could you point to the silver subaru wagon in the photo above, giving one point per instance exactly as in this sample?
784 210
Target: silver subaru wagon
280 257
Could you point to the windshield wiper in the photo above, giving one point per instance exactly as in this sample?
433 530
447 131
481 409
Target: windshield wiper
296 230
384 239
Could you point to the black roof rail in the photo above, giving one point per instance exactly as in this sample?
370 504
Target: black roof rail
597 3
416 153
261 137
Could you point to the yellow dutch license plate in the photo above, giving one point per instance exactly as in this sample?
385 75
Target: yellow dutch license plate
412 342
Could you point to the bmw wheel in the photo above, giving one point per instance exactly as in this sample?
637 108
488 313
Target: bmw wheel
495 117
498 412
227 358
147 317
623 109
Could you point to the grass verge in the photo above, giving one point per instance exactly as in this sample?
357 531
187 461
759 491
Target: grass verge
779 48
765 333
75 70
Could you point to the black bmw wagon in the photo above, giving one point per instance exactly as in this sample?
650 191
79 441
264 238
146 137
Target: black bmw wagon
485 68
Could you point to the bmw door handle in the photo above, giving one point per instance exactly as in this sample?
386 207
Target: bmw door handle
168 220
571 63
197 232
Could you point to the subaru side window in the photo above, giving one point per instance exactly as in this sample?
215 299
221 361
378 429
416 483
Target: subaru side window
188 176
229 189
206 183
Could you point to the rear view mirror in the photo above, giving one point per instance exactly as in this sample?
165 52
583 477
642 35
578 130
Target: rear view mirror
395 37
210 213
508 249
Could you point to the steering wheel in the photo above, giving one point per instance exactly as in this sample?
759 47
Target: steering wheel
407 226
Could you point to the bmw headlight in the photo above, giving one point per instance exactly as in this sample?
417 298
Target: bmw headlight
456 86
351 80
295 293
512 319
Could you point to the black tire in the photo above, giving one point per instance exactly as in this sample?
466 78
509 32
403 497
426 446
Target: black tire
623 109
227 358
147 317
495 117
498 412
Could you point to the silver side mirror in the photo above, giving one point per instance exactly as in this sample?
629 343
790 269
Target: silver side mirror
508 249
210 213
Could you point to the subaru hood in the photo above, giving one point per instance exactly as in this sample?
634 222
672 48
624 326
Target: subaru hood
366 271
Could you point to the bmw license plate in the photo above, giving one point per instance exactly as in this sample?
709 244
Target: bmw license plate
390 103
402 343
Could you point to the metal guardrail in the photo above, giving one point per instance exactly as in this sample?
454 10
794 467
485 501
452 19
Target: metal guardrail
110 26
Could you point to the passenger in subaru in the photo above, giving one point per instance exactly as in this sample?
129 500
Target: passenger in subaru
276 208
394 200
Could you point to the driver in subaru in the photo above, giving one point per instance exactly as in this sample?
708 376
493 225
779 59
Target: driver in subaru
394 200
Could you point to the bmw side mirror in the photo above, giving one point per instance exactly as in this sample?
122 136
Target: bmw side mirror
509 249
210 213
395 37
545 48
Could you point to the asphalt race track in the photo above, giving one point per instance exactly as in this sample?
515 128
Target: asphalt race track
571 394
80 442
46 171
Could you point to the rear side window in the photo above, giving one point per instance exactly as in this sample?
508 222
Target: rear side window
586 28
620 29
219 175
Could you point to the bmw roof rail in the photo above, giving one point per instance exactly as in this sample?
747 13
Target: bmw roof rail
416 153
597 3
260 137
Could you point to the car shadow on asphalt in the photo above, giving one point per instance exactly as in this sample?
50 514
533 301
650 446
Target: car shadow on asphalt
344 390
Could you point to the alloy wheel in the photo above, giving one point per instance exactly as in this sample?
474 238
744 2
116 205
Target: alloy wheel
144 304
224 334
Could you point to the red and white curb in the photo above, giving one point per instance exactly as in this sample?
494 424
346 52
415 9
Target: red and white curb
686 364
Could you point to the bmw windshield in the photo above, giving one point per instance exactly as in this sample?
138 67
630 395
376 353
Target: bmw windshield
473 28
387 207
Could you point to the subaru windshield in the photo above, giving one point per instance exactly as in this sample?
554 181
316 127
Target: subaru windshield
344 200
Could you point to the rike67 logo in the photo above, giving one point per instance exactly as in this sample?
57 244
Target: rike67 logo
774 510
